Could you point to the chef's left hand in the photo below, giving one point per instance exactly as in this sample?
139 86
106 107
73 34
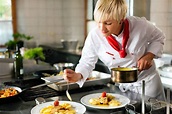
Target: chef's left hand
145 62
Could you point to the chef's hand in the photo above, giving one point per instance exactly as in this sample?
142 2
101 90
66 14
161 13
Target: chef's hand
145 62
71 76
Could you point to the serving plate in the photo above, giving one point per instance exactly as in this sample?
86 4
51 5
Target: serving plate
124 101
165 71
80 109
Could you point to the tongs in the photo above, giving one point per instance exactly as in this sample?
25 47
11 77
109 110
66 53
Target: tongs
48 83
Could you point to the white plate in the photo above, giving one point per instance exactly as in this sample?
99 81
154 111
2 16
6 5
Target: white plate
80 109
165 71
124 101
52 78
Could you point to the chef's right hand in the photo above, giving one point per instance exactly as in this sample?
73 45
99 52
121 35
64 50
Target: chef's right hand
71 76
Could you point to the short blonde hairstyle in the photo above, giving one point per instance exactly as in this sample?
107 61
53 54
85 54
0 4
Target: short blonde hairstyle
110 10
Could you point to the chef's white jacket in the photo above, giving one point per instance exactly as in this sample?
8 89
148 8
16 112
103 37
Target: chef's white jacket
143 37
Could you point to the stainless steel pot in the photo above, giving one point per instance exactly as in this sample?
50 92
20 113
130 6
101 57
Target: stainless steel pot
124 75
69 45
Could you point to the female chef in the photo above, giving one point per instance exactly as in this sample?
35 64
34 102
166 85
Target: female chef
120 41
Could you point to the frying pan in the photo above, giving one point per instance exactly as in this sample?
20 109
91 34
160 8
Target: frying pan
15 97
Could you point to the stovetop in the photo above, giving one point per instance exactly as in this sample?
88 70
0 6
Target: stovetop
45 91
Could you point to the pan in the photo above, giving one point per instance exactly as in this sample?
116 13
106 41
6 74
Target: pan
45 73
19 91
124 74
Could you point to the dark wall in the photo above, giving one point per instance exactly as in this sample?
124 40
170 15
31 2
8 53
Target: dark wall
55 55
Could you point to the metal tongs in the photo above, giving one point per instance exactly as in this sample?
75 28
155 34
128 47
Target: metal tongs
67 92
48 83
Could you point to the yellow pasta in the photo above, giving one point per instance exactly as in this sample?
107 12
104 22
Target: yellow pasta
64 108
109 100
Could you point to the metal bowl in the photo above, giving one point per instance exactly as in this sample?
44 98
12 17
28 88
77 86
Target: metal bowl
124 75
62 66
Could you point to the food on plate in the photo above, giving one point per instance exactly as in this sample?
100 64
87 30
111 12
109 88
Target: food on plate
60 73
105 100
91 78
57 108
8 92
124 69
48 75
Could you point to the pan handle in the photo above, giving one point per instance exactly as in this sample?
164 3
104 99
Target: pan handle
40 85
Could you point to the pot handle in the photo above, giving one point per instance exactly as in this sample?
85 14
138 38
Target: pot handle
130 110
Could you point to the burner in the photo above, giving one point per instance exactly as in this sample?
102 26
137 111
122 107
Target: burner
25 83
45 91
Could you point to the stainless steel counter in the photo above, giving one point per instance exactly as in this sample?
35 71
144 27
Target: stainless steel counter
21 107
24 107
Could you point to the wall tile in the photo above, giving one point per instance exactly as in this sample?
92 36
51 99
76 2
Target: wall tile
170 6
159 6
169 33
53 19
162 16
167 46
159 18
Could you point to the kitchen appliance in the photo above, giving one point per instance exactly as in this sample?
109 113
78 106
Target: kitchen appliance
44 91
124 75
69 45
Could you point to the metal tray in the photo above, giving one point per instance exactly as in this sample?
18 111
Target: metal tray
97 78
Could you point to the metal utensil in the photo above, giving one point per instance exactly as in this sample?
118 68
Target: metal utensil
168 101
39 100
67 92
143 97
48 83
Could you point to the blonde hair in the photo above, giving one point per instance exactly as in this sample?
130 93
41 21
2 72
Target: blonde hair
110 10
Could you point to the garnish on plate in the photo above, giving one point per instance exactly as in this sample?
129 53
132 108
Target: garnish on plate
57 108
105 100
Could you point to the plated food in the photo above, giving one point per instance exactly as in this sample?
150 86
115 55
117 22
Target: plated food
105 100
111 101
7 92
64 108
59 107
55 74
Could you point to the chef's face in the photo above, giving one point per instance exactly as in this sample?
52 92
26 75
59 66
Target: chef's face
109 27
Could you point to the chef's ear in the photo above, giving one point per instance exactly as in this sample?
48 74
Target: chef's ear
122 20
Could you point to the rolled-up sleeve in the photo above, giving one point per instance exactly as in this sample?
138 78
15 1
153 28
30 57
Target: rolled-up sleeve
87 61
156 40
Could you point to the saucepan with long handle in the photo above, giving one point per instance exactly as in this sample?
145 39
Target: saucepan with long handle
124 74
19 91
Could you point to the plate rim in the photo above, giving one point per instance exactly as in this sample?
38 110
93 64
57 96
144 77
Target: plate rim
98 107
51 102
